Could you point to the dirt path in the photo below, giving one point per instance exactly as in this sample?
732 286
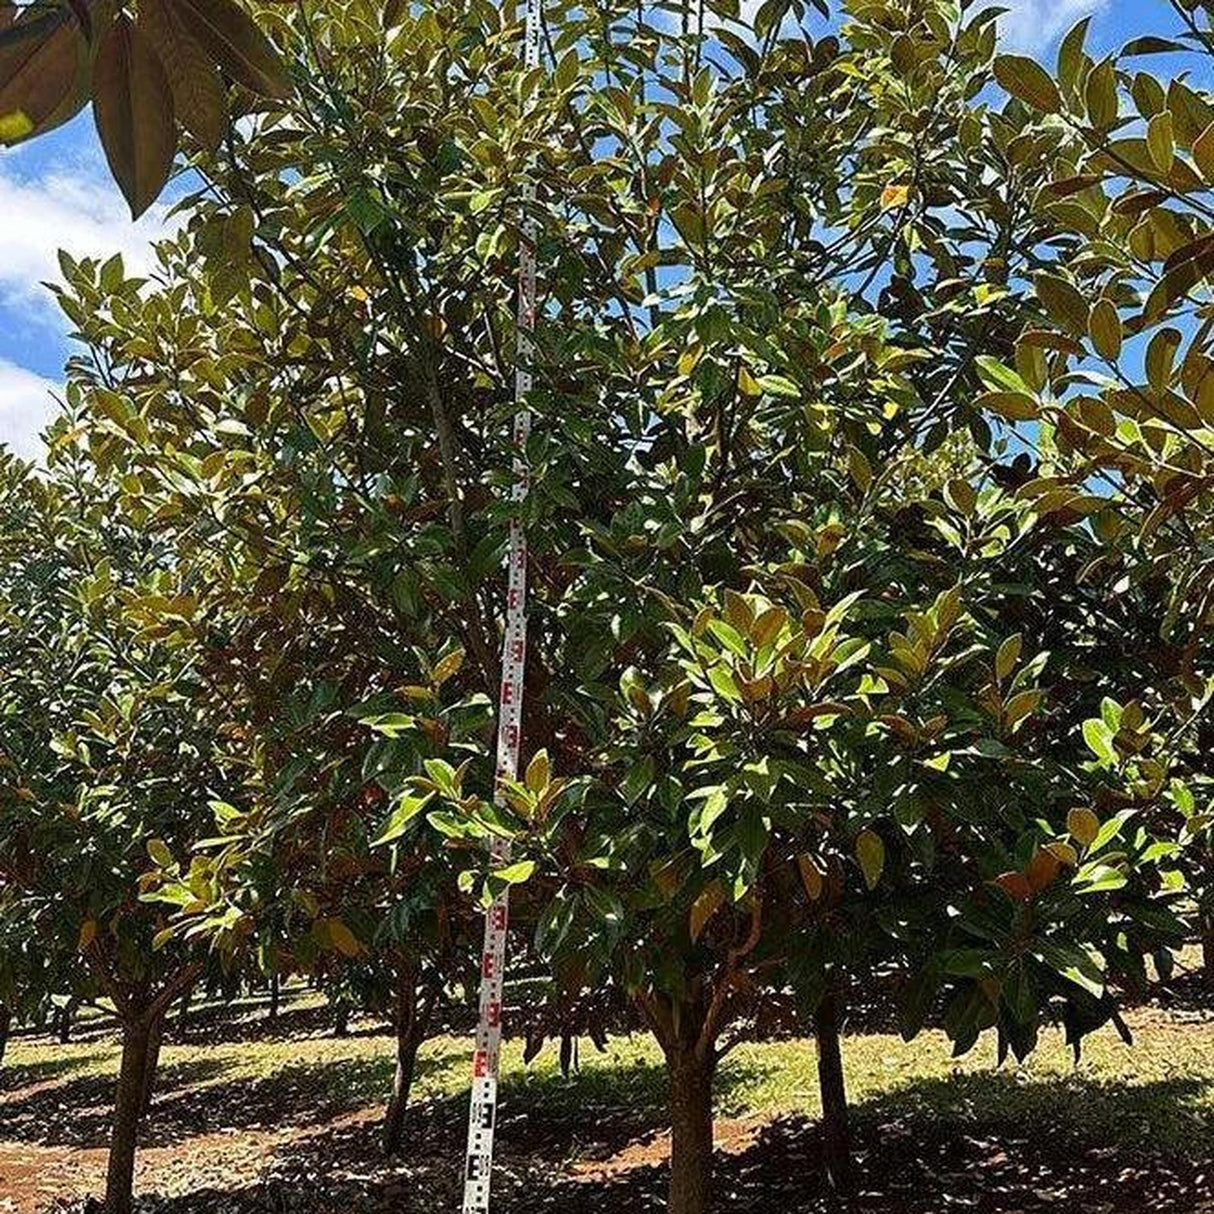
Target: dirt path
34 1177
733 1137
31 1177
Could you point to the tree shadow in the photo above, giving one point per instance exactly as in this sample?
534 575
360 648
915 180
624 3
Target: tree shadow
77 1113
1164 1115
1190 991
254 1024
92 1029
296 1096
69 1113
545 1123
989 1143
187 1103
24 1075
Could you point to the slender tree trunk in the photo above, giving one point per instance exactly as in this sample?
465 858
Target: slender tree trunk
402 1086
1207 947
410 1032
836 1135
133 1083
6 1024
66 1013
183 1014
691 1140
155 1033
570 1059
274 997
341 1018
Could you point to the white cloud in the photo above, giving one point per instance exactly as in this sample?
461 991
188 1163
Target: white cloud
26 406
81 212
54 194
1035 25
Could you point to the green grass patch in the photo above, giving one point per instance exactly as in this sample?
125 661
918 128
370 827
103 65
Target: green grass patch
1158 1093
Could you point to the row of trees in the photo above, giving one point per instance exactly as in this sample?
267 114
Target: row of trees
868 628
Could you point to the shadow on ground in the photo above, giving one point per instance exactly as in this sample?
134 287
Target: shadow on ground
1184 992
189 1103
977 1144
14 1078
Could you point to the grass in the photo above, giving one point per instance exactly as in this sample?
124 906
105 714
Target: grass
1165 1082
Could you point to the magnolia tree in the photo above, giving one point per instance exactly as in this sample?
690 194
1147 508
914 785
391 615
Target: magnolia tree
809 673
1125 162
107 765
302 672
791 784
31 974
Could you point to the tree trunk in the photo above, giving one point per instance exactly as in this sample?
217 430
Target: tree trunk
133 1085
569 1054
183 1015
64 1026
274 997
691 1130
1207 947
836 1136
6 1023
410 1032
341 1018
155 1033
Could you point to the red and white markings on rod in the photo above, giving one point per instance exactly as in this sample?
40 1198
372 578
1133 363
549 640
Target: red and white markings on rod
482 1117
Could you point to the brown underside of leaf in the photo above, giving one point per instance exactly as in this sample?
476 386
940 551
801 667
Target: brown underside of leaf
133 107
235 43
45 78
199 100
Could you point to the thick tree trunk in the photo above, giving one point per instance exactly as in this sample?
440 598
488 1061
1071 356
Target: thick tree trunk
410 1032
142 1017
691 1141
133 1085
836 1136
274 997
6 1024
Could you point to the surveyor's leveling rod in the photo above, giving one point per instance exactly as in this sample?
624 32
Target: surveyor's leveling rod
482 1116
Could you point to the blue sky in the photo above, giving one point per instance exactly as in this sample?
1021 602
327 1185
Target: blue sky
55 193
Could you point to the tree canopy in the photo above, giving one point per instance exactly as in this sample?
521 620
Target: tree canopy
845 667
